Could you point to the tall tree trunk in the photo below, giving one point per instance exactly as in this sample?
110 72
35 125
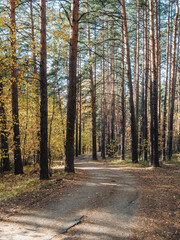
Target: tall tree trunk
178 148
77 127
141 140
151 116
3 133
113 94
173 88
157 51
178 71
134 137
122 98
15 112
103 141
36 80
145 129
137 70
170 65
26 128
80 107
71 104
159 57
50 127
93 101
154 88
165 92
44 108
108 89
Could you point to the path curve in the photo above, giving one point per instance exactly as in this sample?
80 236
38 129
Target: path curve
101 207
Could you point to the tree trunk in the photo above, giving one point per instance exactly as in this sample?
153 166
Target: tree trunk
15 112
50 127
137 71
113 94
122 99
154 79
36 81
43 86
71 104
131 102
4 137
157 52
165 93
93 101
80 108
178 70
178 148
103 141
173 88
77 115
145 129
141 140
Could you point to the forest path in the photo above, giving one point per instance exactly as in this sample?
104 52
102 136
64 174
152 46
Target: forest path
101 207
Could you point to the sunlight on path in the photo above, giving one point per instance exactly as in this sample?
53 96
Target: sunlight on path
101 207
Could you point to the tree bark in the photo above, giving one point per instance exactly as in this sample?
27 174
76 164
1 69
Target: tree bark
93 101
36 81
43 87
137 70
145 129
103 141
122 99
113 95
131 102
154 79
165 92
77 127
4 137
173 87
71 104
15 112
80 107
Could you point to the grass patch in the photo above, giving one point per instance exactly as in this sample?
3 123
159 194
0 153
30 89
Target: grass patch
127 162
46 185
12 185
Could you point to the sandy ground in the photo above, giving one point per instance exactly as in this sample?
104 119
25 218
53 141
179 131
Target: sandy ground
103 206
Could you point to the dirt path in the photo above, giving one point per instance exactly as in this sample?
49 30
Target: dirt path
102 207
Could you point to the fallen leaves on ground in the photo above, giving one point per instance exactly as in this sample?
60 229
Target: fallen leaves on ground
159 207
32 191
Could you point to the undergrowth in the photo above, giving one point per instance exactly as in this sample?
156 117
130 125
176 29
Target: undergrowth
12 185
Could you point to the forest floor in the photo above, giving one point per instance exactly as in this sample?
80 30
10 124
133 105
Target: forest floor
109 199
100 205
158 216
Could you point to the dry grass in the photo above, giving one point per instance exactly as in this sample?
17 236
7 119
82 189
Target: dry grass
12 185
